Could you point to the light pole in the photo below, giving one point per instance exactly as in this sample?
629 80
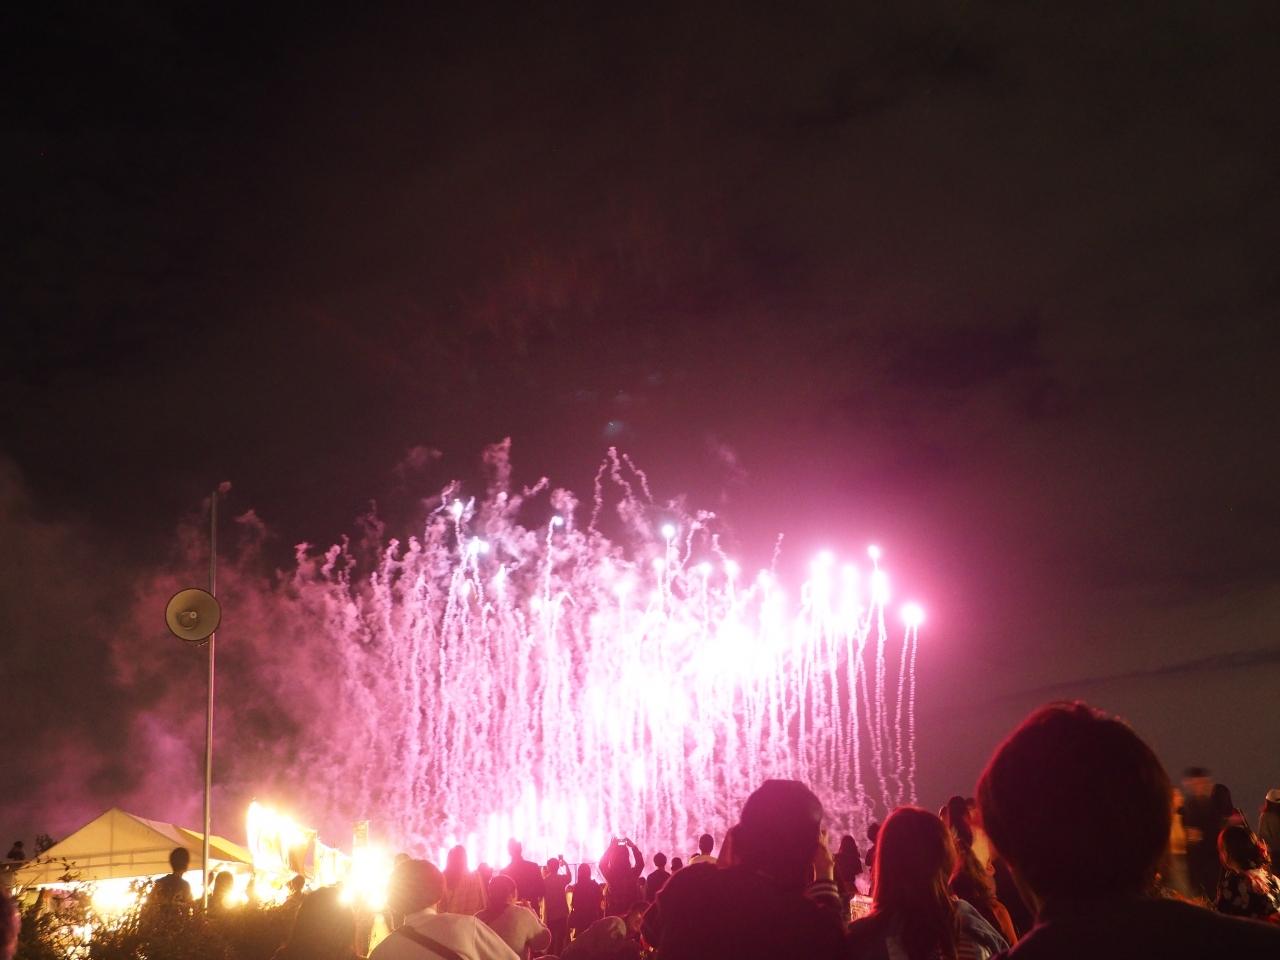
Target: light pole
208 715
193 614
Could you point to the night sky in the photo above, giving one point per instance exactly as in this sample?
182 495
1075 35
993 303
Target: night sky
992 285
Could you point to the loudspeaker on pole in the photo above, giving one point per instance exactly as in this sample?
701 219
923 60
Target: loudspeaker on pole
192 614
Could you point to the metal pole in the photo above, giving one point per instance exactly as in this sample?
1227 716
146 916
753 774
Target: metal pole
208 720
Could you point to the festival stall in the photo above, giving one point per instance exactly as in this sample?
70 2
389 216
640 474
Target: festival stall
118 850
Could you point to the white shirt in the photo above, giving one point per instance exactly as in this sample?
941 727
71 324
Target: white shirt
518 926
470 938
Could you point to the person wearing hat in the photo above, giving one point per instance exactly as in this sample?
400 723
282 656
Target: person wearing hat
778 899
1269 827
413 891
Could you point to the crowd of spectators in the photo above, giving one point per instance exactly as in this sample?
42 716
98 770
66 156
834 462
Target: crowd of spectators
1076 845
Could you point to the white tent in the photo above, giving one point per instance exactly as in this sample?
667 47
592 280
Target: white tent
121 845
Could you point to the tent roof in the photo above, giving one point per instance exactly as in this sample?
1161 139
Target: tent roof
220 848
120 844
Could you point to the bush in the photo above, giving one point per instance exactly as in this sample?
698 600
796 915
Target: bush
145 933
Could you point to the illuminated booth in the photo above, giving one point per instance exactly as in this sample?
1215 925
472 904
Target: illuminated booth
118 849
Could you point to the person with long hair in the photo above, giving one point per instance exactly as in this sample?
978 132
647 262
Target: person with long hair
975 885
463 888
1247 887
848 867
324 929
972 879
914 915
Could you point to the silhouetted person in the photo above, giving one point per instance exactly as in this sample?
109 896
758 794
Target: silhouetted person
414 889
463 888
1224 807
555 880
706 843
654 881
634 918
606 939
1078 805
172 890
873 831
621 866
1173 868
588 897
1200 826
727 858
220 895
324 929
9 924
848 867
1269 826
1247 887
914 915
676 864
970 880
526 874
764 907
17 851
518 926
973 884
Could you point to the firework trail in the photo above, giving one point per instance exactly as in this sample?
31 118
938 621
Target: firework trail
557 684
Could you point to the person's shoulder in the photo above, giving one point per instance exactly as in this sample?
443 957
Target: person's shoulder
692 885
692 876
978 927
1179 916
865 932
390 948
1171 929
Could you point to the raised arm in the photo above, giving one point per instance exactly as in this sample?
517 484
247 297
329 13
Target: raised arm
638 866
